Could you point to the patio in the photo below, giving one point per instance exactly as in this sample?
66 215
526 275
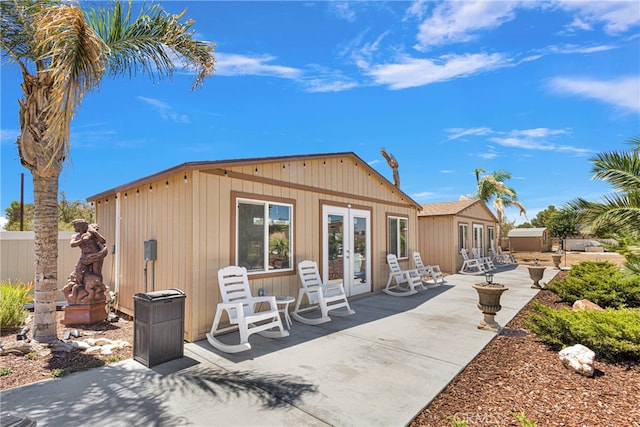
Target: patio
380 366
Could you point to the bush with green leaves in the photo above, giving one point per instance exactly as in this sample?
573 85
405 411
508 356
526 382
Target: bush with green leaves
13 297
613 335
601 282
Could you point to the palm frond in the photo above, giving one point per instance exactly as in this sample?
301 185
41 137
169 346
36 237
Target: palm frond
621 170
147 42
74 57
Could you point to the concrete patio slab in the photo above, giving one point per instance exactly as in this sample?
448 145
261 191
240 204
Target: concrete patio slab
379 367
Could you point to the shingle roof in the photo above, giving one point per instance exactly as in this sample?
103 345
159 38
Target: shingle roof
526 232
446 208
456 207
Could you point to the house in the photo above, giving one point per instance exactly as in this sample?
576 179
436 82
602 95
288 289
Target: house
445 228
176 228
530 239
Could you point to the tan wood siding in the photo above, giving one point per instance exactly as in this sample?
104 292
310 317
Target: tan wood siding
193 223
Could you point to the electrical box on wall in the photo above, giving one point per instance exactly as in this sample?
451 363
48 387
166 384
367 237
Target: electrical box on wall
150 250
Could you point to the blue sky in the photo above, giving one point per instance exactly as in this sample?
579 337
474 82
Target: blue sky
533 88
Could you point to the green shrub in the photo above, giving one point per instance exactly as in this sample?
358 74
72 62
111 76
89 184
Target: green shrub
613 335
522 418
13 297
4 371
601 282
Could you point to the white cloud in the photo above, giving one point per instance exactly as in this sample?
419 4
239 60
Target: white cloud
326 85
3 222
459 132
413 72
459 21
569 49
616 17
342 10
540 132
622 92
424 195
526 139
165 110
9 135
229 64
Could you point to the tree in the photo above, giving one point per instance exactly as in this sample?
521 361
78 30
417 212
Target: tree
620 210
541 219
64 53
67 212
492 187
563 223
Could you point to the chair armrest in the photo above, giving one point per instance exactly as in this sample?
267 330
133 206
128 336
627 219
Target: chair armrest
229 306
268 299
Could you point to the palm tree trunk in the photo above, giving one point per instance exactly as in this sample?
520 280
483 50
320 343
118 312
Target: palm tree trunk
45 191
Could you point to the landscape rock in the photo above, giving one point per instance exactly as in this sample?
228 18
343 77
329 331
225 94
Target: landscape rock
578 358
585 304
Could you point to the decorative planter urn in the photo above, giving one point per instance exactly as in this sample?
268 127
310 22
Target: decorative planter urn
535 273
489 303
557 258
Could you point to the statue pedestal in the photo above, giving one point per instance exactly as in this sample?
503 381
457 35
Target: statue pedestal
84 314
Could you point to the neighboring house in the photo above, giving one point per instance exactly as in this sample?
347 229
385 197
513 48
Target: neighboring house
445 228
530 239
266 214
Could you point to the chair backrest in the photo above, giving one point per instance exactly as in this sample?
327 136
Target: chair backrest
394 268
234 286
464 254
476 253
417 259
309 274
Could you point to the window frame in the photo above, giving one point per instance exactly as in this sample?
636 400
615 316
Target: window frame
398 233
266 203
463 236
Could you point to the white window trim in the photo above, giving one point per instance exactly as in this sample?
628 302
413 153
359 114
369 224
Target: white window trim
266 204
398 230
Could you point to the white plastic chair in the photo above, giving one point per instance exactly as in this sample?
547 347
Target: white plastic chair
499 258
431 274
510 258
240 307
485 260
326 297
398 277
470 265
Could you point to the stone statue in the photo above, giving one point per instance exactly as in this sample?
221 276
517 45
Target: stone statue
84 285
393 163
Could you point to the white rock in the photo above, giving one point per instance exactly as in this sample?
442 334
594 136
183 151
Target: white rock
91 341
579 358
103 341
107 349
80 345
94 349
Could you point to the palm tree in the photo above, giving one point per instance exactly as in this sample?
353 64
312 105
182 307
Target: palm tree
492 187
621 210
63 53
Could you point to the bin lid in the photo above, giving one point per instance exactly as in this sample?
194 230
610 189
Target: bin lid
156 295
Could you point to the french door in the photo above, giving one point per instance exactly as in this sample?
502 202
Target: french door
346 248
478 238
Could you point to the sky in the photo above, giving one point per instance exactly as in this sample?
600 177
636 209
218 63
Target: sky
534 88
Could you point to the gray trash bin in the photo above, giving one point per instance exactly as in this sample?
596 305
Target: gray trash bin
158 328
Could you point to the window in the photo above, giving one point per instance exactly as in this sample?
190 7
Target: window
397 231
463 236
264 235
490 237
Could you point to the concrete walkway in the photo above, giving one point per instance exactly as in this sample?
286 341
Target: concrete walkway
379 367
